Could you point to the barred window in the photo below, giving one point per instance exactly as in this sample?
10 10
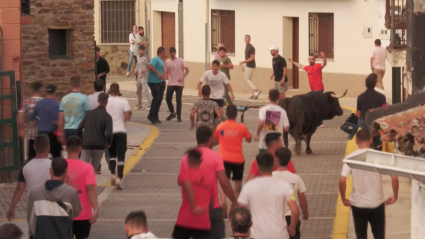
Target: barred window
223 29
117 20
25 7
321 34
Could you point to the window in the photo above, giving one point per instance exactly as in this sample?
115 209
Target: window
25 7
59 43
117 20
321 34
223 29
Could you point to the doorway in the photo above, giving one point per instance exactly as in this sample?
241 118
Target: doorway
290 30
168 27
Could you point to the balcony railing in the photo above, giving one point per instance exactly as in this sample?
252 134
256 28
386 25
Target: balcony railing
25 7
396 11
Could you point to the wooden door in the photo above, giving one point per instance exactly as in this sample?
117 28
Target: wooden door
295 52
168 21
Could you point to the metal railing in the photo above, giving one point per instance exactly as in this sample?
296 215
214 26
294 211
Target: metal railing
223 29
117 20
25 7
396 20
321 34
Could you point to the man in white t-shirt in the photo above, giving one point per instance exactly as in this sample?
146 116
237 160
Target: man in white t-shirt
377 62
217 80
273 118
367 198
283 157
266 197
120 111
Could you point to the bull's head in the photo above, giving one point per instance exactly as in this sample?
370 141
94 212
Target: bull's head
334 106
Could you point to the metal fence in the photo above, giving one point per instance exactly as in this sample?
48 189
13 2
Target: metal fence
321 34
223 29
25 7
117 20
395 10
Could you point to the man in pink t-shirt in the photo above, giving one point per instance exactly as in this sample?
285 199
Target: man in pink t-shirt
81 177
314 71
175 70
211 162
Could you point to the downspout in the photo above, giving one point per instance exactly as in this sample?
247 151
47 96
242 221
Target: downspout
207 58
392 23
148 26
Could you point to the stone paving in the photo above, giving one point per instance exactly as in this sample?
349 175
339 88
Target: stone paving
152 184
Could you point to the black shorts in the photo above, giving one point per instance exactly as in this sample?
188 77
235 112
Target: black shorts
187 233
220 102
236 168
81 229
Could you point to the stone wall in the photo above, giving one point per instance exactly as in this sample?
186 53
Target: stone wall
73 15
117 57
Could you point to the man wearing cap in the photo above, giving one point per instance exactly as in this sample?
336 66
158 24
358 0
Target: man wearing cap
175 71
46 113
377 62
279 72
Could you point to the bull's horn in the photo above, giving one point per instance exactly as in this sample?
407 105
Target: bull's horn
339 96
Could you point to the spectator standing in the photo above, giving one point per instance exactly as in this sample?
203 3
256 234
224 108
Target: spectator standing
28 128
230 135
211 162
175 71
156 84
102 66
266 197
377 62
367 200
81 176
314 72
225 66
133 49
272 119
34 172
241 223
217 51
142 71
279 72
120 111
10 231
283 156
142 40
273 142
197 196
99 87
136 226
72 110
52 206
204 110
249 67
97 126
46 112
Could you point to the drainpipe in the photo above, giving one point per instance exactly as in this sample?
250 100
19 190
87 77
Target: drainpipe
148 26
392 23
207 58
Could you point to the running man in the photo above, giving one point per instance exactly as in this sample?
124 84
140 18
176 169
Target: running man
225 66
204 110
230 135
279 72
217 80
72 108
175 70
120 111
314 72
141 72
249 66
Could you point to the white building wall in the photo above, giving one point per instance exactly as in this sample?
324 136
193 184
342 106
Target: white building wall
418 209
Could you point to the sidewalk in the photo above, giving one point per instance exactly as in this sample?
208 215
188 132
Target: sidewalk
136 135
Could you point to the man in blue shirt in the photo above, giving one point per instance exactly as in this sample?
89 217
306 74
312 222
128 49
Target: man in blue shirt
156 84
72 108
46 113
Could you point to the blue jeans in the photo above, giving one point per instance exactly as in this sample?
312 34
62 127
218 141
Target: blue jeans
131 57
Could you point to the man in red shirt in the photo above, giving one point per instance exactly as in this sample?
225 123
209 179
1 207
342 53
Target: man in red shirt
273 142
314 71
230 135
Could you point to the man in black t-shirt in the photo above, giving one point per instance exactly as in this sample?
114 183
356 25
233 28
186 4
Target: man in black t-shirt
370 99
279 72
102 67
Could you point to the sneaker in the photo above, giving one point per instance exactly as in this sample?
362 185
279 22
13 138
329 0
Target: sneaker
113 180
138 107
128 74
152 120
171 116
321 125
256 94
148 108
118 184
179 119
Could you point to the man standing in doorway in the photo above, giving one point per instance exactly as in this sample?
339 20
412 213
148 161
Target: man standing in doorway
377 62
142 40
314 72
141 72
102 66
28 128
175 71
249 65
225 66
156 84
279 72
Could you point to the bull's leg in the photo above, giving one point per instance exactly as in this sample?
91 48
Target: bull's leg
308 149
297 144
285 139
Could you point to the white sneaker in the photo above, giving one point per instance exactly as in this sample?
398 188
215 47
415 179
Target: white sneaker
148 108
138 107
256 94
113 179
118 184
128 74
